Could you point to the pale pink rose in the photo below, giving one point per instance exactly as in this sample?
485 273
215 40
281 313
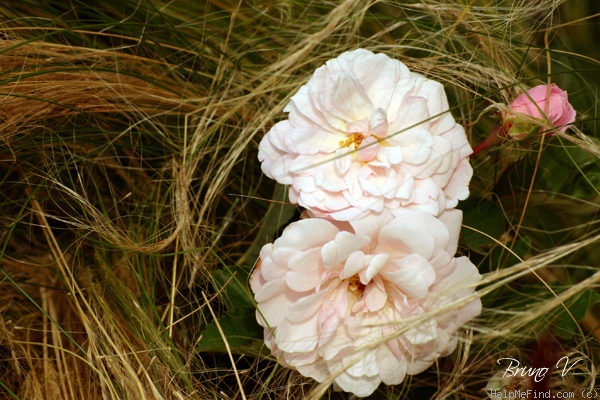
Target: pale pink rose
542 108
365 134
335 297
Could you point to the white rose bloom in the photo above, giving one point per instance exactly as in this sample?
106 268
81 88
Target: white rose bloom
365 134
334 297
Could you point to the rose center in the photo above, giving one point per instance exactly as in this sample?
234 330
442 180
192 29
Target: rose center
356 286
354 138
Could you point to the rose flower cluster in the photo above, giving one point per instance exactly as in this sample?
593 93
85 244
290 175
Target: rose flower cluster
367 289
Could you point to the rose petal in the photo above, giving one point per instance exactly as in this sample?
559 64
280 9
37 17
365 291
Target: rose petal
344 244
412 274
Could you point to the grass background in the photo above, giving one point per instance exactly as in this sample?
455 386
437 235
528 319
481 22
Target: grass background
132 205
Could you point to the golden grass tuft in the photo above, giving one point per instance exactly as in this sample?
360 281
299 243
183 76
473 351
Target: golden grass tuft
45 81
129 179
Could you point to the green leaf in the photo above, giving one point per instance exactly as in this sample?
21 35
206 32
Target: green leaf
566 321
238 324
501 257
242 332
231 285
280 211
569 169
483 222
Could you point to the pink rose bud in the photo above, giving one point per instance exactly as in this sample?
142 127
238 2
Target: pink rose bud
542 108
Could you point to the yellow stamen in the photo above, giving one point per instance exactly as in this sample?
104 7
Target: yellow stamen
356 286
354 138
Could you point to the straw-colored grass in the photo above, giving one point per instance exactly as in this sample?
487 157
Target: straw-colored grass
132 204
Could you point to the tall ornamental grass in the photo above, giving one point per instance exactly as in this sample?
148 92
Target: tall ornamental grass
133 207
